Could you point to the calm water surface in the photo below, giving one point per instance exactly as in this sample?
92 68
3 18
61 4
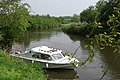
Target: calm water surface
58 39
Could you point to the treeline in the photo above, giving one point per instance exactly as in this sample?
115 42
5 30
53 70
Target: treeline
101 18
15 20
38 22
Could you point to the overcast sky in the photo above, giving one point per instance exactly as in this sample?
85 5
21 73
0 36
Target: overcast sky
59 7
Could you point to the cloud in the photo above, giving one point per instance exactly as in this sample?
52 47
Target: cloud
59 7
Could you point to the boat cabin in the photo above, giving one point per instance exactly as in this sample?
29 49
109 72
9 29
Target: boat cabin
46 53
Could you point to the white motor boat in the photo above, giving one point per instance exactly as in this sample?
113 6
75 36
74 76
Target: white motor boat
48 57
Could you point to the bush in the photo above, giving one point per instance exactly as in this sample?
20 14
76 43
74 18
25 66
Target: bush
81 29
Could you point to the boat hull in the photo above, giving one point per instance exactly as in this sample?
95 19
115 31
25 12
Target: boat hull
53 65
45 64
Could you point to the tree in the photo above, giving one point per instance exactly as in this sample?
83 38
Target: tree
105 9
110 19
76 18
88 15
13 19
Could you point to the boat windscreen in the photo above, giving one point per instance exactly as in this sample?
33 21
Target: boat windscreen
57 56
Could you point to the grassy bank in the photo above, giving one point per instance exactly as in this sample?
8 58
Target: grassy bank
81 29
16 69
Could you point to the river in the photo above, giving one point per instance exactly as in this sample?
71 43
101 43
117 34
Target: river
58 39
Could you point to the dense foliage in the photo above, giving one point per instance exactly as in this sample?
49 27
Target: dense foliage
113 24
16 69
44 22
75 18
13 20
88 15
81 29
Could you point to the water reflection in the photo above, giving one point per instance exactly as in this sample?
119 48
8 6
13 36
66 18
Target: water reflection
28 37
61 74
112 61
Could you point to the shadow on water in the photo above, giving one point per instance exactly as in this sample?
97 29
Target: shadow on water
61 74
112 61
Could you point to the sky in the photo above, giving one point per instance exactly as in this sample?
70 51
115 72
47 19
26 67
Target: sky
59 7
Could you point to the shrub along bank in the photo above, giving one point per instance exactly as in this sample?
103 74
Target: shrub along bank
81 29
17 69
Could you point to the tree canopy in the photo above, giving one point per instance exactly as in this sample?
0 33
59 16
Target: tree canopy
13 19
88 15
38 22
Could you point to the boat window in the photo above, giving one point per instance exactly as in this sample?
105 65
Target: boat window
46 57
36 55
42 56
57 56
63 54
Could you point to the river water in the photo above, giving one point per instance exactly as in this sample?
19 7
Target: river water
58 39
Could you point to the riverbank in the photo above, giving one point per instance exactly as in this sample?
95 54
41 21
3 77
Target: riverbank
84 29
16 69
81 29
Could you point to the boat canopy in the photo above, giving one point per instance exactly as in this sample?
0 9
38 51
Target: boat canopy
46 50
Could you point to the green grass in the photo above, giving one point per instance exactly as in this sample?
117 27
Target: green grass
16 69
